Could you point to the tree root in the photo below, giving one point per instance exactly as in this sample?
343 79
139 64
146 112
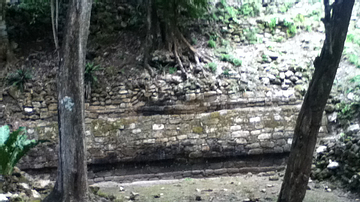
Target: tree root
149 69
178 59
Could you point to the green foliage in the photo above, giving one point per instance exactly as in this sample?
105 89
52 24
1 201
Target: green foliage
211 43
236 62
229 58
193 8
225 57
212 66
19 78
354 84
284 8
308 28
299 18
351 38
30 20
347 111
226 72
272 24
356 80
291 28
225 43
315 15
90 70
250 35
250 9
172 70
187 8
354 59
279 39
264 58
13 146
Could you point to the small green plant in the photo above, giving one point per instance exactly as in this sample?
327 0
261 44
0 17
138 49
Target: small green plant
237 62
284 8
299 18
250 9
13 146
291 31
226 72
279 39
264 58
308 28
225 57
90 77
211 43
351 38
212 66
19 78
291 28
355 79
354 59
250 35
172 70
225 43
315 15
347 111
272 24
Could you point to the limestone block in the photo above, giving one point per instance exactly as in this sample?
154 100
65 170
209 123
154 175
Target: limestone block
238 134
255 151
158 127
255 120
264 136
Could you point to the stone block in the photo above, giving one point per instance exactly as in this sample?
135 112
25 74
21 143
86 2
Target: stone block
255 151
267 144
253 146
238 134
235 128
264 136
181 137
255 120
149 141
240 141
158 126
52 107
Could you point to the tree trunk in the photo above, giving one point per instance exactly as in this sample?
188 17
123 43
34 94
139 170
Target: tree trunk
4 42
308 123
71 184
149 37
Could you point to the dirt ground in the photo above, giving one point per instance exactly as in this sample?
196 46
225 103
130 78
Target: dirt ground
249 187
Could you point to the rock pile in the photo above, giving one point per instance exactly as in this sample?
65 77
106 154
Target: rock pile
340 160
21 187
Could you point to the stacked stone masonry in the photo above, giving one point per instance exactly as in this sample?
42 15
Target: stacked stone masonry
126 124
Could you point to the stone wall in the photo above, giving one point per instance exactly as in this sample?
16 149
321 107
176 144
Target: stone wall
125 123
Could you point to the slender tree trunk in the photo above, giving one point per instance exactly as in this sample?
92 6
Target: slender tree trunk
154 24
308 123
4 42
71 183
54 23
149 37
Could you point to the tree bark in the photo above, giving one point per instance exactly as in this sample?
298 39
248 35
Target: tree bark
71 184
54 24
4 42
149 37
308 123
